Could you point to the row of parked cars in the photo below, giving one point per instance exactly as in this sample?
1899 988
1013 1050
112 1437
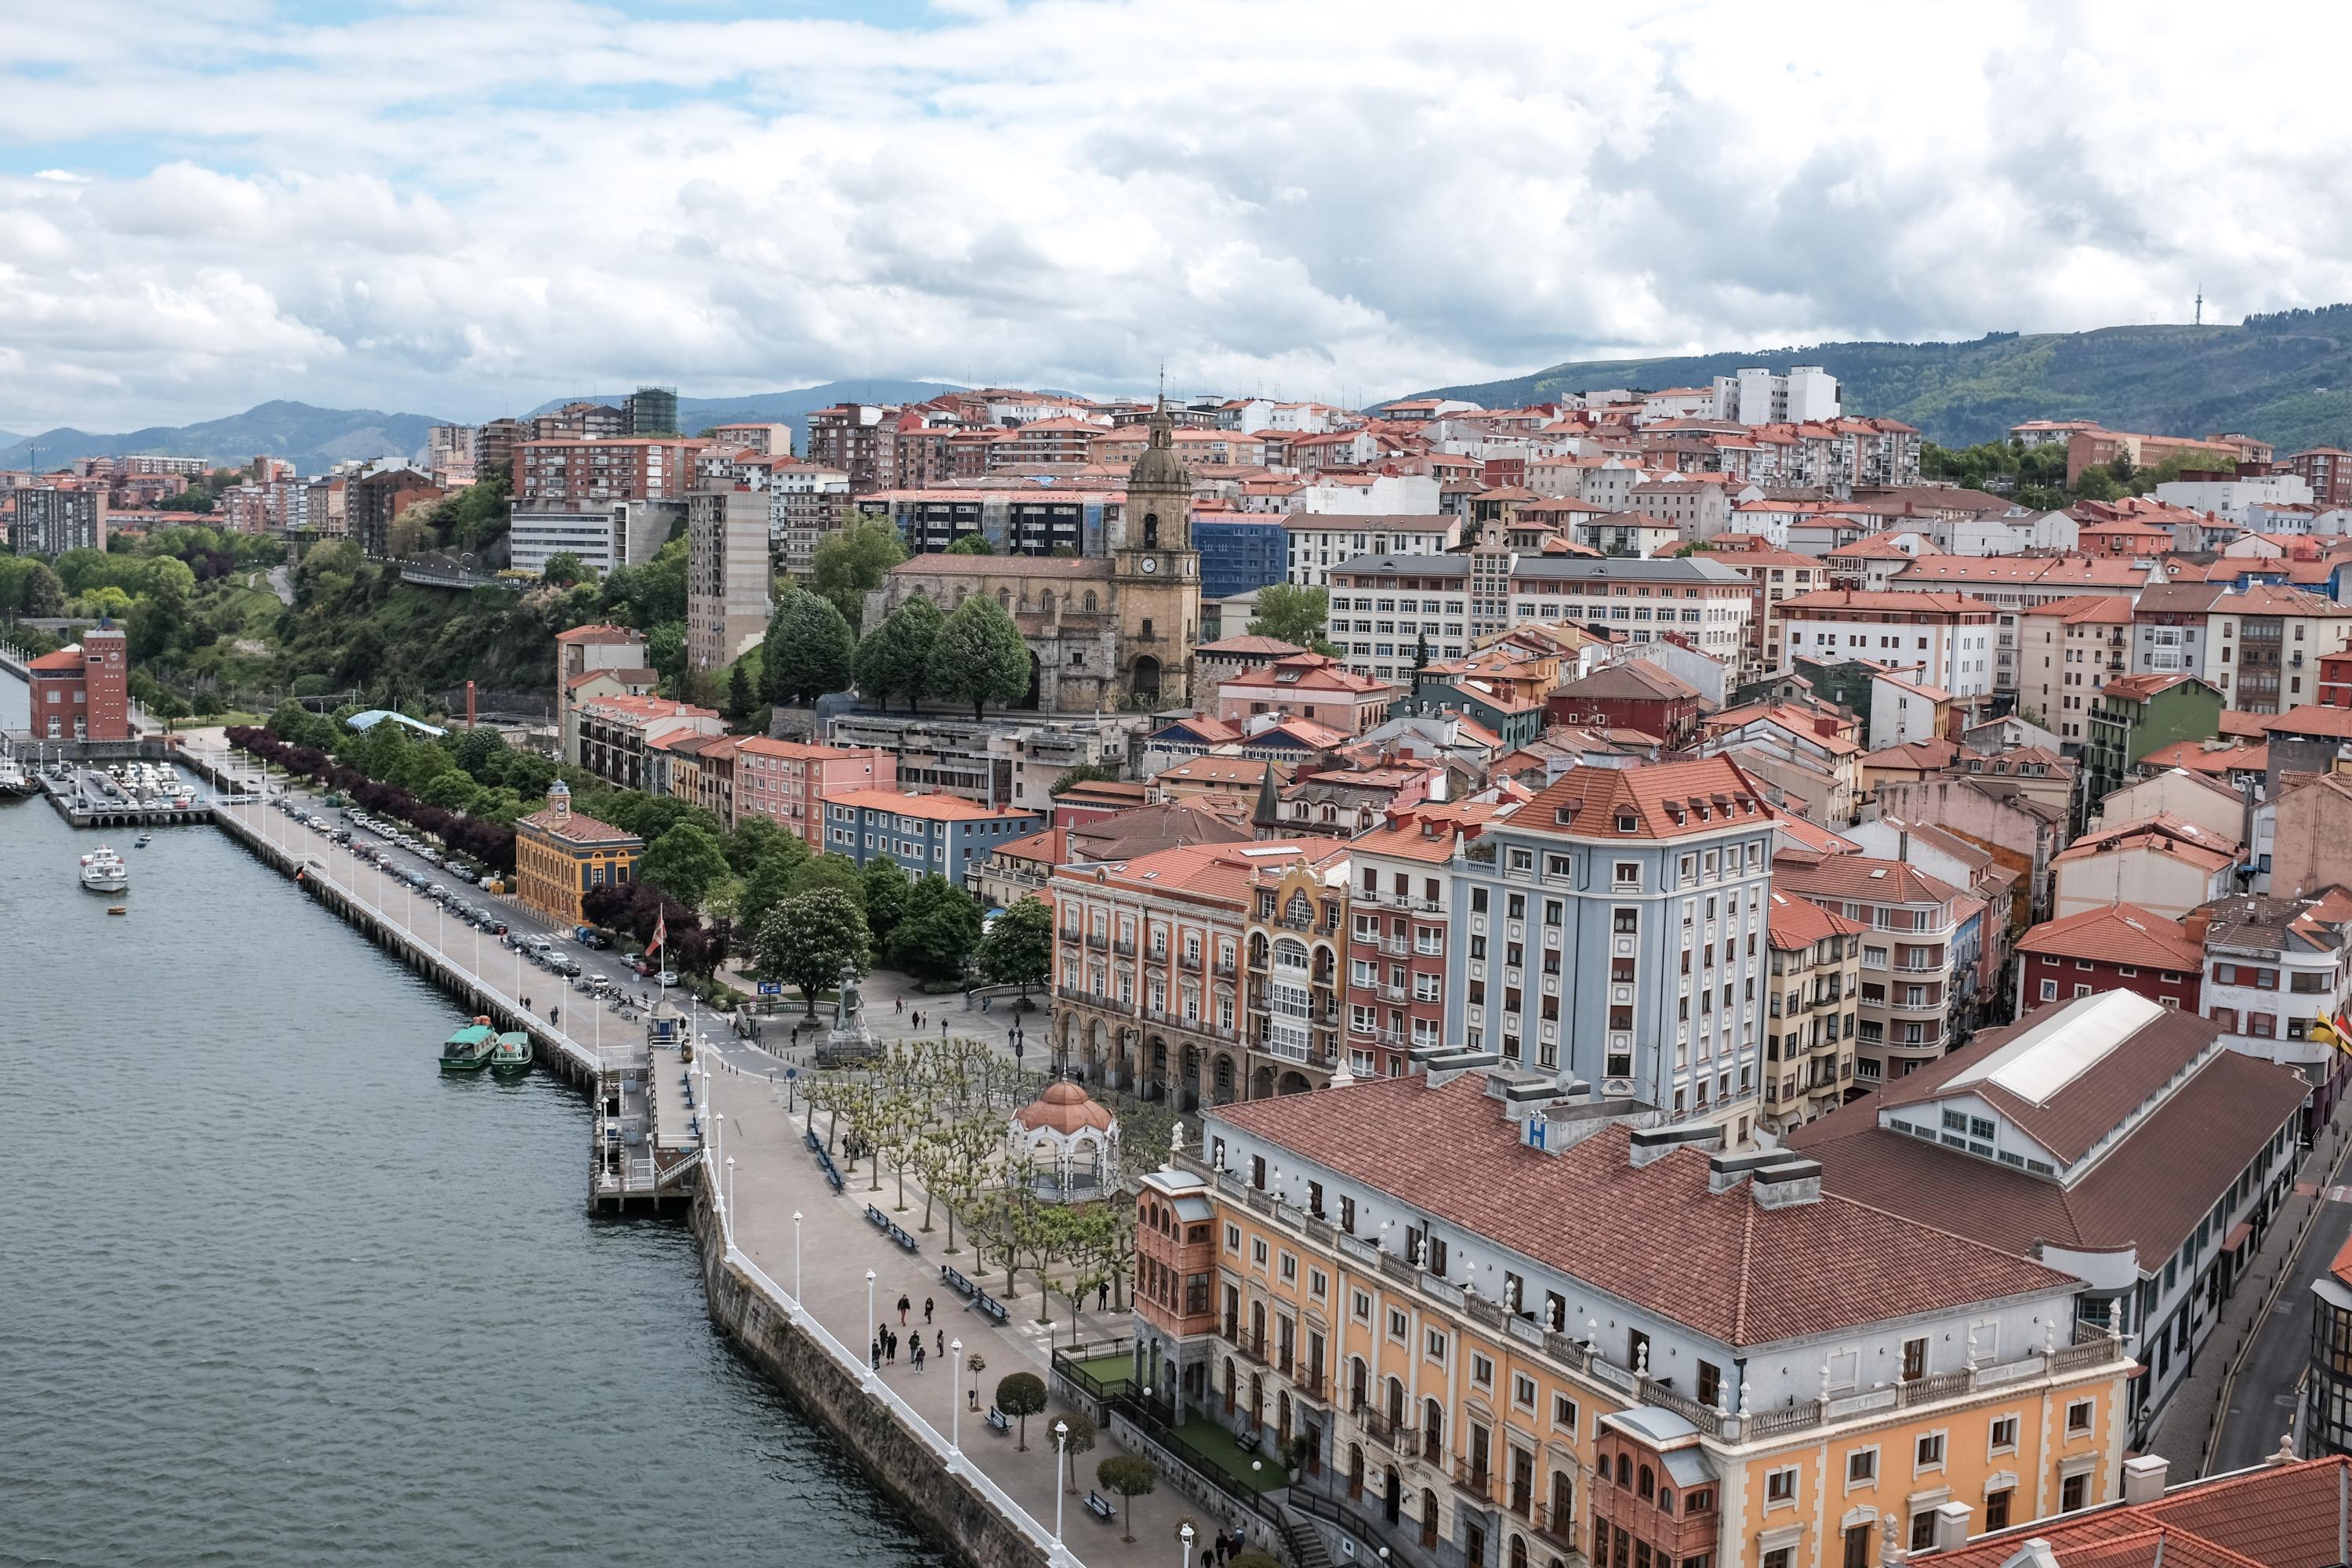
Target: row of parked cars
541 950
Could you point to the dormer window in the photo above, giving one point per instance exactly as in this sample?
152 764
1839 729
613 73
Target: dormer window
1628 823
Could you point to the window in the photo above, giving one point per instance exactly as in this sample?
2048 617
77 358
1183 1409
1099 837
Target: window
1232 1238
1318 1284
1360 1305
1862 1467
2078 1417
2072 1493
1482 1369
1781 1487
1523 1391
1930 1455
1397 1326
1923 1529
2004 1435
1563 1413
1915 1360
1996 1512
1434 1345
1258 1251
1290 1267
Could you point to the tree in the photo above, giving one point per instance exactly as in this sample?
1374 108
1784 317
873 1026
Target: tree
1131 1476
1018 947
169 707
740 699
806 940
665 650
686 863
1293 614
1021 1396
807 651
938 931
980 657
562 568
851 563
770 881
895 658
971 545
1084 772
883 888
838 872
1078 1437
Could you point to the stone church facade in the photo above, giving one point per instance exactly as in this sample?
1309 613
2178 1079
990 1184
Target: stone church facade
1104 632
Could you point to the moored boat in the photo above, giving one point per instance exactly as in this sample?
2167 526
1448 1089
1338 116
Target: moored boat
469 1049
15 782
102 872
511 1057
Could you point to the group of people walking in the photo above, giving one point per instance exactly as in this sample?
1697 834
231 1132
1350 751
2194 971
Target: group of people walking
885 1349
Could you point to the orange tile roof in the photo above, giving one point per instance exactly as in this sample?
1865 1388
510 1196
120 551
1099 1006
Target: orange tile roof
1862 878
576 828
1674 800
934 808
1794 922
2119 933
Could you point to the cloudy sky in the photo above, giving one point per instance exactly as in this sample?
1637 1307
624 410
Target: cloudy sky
461 209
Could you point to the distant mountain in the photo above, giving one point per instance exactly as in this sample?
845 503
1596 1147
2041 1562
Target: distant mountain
774 407
9 437
312 439
2285 378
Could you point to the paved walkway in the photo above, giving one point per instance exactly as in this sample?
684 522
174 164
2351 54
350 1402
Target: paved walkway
774 1175
2279 1312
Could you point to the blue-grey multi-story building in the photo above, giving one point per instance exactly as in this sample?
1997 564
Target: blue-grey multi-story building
922 833
1613 930
1238 554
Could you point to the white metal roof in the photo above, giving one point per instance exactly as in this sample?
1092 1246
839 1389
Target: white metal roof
2053 1054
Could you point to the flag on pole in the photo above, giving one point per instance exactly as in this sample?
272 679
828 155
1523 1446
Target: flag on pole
661 934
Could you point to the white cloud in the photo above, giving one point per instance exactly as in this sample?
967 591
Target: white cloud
461 210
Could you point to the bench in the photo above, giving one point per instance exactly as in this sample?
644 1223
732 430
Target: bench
996 1420
811 1139
877 1219
956 1282
1245 1441
834 1176
906 1243
1099 1508
990 1306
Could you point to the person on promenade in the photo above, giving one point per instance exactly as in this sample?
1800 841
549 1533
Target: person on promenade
927 1304
554 1015
919 1353
878 1352
939 1341
904 1305
1102 1297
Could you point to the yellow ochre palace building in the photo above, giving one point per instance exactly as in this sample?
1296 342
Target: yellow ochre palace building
560 854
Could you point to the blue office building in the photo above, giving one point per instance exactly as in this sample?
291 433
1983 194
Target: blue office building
920 834
1237 555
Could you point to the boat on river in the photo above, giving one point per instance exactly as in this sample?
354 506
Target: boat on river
470 1049
15 782
511 1057
102 872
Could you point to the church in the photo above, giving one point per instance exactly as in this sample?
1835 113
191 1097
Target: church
1104 632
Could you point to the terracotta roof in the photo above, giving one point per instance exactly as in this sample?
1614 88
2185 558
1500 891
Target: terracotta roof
799 751
1739 1273
1795 922
1248 770
599 634
1248 647
1809 839
935 807
1864 879
2140 688
2119 933
575 828
1308 672
1633 679
1065 1108
940 563
2199 757
64 659
1670 801
1049 847
1829 601
2333 723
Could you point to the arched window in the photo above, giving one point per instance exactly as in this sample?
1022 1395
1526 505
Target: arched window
1004 598
1151 531
1089 602
1646 1486
1666 1499
1624 1471
1047 601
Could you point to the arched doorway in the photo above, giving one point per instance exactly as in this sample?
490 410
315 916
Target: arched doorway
1292 1083
1222 1081
1190 1097
1145 682
1355 1472
1036 683
1391 1496
1262 1084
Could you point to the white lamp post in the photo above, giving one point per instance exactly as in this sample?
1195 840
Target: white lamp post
1186 1560
796 1258
731 1197
955 1411
1061 1442
872 1336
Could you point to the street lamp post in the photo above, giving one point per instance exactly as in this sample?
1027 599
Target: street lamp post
872 1336
1061 1445
796 1258
1186 1560
955 1411
730 1198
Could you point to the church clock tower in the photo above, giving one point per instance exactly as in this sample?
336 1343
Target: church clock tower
1156 575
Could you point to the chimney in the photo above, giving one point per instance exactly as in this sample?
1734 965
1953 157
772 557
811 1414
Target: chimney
1788 1183
1952 1525
2144 1477
471 719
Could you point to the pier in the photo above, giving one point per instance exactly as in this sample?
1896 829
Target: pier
87 798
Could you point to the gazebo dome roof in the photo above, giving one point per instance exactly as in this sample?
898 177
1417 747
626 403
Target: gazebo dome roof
1065 1108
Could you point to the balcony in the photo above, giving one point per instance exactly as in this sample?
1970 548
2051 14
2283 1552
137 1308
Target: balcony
1191 961
1124 947
1475 1479
1097 940
1393 1434
1223 969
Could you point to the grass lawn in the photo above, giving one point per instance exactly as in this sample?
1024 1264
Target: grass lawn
1214 1443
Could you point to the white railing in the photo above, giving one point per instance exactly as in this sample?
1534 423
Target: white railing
1056 1553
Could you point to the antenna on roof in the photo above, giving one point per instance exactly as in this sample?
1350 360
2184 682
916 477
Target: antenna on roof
2201 307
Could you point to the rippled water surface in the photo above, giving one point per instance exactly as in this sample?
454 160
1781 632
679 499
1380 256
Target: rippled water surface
274 1291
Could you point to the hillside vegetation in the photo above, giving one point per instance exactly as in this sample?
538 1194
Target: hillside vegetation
2286 378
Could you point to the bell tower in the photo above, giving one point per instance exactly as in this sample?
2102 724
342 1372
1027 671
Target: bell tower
1156 573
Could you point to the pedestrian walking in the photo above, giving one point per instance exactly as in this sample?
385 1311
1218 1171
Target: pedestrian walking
926 1309
1102 1297
903 1305
1225 1548
920 1353
890 1347
897 1003
554 1015
939 1339
878 1352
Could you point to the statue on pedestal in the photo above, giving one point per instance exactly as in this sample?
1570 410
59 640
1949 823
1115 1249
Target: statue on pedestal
849 1040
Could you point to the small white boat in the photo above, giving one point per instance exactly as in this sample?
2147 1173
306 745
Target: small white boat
102 872
14 780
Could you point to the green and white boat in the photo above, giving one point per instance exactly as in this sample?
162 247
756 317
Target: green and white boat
470 1049
511 1057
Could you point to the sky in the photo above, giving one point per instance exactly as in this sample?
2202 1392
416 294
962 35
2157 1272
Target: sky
464 210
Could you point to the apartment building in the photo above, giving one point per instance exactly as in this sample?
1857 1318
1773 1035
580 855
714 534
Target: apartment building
1774 576
1379 1270
2067 651
2135 714
573 470
2328 470
859 440
2265 644
2278 973
787 782
615 734
372 499
51 519
595 661
1612 930
1294 935
1947 638
727 575
1910 997
1398 941
805 502
1320 541
1812 1016
1147 967
1308 686
2115 947
922 835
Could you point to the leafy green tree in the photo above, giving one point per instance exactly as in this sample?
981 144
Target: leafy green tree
665 650
1021 1396
971 545
895 658
169 707
1291 613
807 651
451 791
686 863
1077 1440
753 840
1131 1476
740 699
851 563
939 931
1018 946
980 657
770 882
805 941
884 889
830 870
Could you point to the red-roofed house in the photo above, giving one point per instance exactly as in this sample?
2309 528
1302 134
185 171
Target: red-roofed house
2113 947
1308 686
787 781
81 691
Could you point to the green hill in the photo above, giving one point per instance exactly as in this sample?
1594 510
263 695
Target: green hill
2286 378
312 439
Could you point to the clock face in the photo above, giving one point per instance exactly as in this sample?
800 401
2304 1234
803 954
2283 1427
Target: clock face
1148 564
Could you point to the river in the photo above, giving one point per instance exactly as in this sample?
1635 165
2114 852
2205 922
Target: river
273 1291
